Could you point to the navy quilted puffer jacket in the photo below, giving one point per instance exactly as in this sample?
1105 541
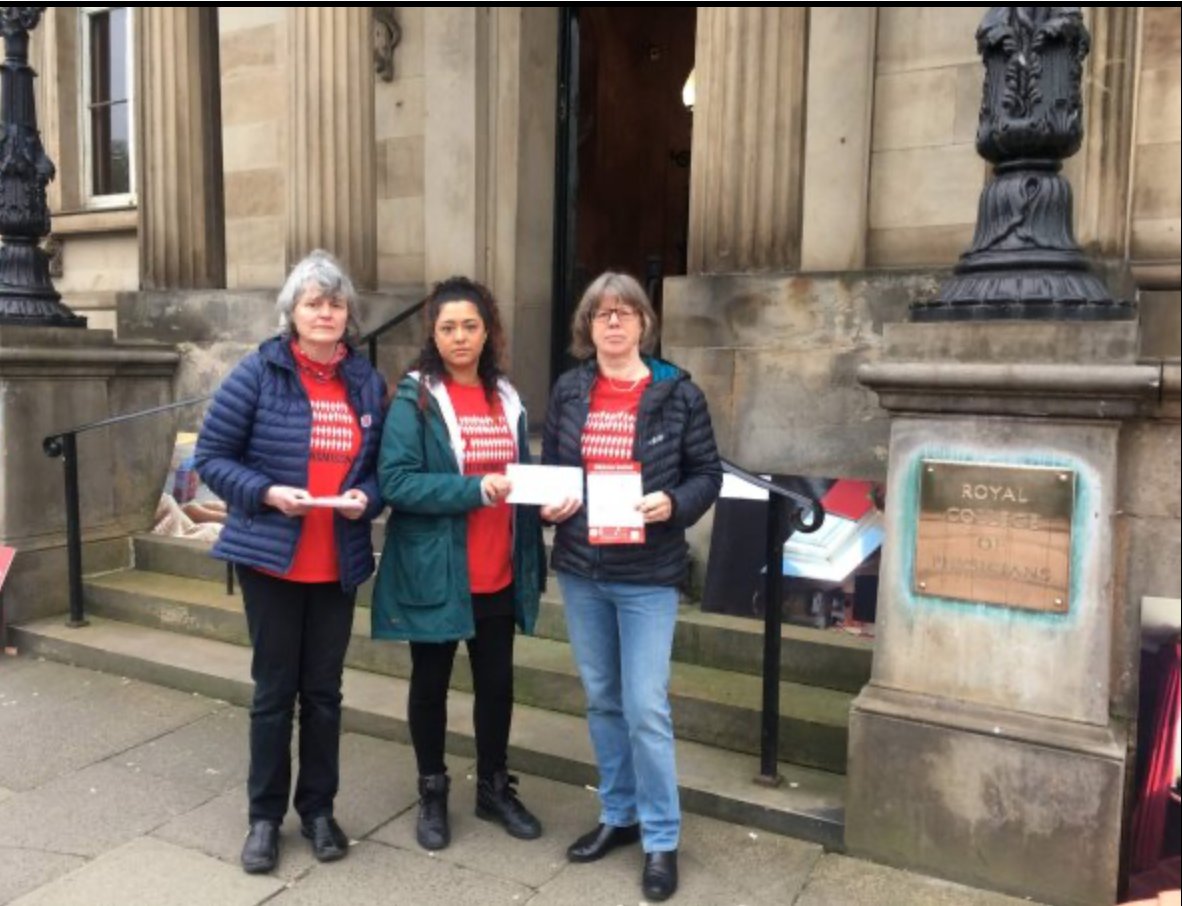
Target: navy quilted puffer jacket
258 433
677 453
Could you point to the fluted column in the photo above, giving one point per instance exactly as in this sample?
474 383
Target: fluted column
745 185
331 189
1102 195
179 171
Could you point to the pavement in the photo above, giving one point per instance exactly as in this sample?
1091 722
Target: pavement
117 792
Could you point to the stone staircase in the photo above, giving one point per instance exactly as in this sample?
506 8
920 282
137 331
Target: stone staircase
170 620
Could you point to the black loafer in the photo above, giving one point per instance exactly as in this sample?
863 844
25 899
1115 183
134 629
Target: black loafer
329 842
659 881
601 841
260 852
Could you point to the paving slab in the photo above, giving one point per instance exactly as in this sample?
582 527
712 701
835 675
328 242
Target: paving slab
842 881
151 872
211 753
378 783
374 873
565 812
726 863
23 870
35 677
51 726
93 810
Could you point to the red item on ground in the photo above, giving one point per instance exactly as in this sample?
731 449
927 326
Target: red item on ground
849 498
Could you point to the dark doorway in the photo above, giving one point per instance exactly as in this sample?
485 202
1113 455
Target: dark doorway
624 150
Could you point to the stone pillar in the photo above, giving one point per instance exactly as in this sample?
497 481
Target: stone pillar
841 47
745 181
332 198
179 168
1104 163
53 379
983 749
521 219
458 79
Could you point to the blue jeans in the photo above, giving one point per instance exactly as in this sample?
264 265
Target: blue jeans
622 637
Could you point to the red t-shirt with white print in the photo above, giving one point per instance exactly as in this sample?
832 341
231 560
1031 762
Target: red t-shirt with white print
489 446
336 441
610 432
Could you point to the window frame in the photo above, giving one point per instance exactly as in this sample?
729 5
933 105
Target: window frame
90 200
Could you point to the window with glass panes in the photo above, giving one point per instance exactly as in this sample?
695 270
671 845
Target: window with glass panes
107 94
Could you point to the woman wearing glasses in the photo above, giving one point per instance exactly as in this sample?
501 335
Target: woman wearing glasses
622 406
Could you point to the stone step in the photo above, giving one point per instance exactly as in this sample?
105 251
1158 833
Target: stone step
829 659
714 782
711 706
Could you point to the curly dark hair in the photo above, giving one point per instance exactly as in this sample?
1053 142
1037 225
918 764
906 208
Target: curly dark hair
430 363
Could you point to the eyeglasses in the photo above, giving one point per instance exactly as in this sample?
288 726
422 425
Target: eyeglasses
624 315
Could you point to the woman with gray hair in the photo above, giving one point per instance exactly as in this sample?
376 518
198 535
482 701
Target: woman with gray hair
290 443
624 410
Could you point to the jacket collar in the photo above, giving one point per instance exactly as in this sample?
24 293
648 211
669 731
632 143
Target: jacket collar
662 372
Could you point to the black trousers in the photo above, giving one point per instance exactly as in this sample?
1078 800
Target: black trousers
300 632
491 656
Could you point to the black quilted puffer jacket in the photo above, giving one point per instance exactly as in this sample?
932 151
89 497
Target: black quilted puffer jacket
675 447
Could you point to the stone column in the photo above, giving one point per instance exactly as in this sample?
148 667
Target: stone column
459 79
332 199
745 182
179 167
841 49
1105 161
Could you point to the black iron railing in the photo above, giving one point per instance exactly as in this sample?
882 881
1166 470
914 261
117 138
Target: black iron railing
65 444
788 512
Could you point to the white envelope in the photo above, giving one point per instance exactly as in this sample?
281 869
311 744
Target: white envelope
544 485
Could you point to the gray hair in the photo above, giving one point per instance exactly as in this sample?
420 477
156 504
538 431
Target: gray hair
321 272
628 291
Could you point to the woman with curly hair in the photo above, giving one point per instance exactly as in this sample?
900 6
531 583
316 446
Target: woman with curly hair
458 562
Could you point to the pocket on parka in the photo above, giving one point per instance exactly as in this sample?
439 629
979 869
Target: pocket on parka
422 569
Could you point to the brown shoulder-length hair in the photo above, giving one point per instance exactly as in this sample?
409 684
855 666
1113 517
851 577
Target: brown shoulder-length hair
430 363
630 293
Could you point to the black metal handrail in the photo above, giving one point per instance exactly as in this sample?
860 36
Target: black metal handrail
788 512
65 444
371 339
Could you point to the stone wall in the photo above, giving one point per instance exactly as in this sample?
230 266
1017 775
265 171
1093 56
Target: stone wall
925 174
776 356
400 108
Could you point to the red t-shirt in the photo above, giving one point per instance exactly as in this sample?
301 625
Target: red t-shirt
489 446
610 432
336 441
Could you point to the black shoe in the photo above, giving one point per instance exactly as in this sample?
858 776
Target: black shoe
659 881
601 841
496 800
329 842
260 852
431 830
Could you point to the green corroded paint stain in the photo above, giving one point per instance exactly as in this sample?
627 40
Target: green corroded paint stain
1085 484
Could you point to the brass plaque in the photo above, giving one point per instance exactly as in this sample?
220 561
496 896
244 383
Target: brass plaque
995 534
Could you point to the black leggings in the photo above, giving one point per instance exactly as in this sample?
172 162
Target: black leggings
491 656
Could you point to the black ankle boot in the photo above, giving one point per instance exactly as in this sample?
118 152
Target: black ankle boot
431 830
496 800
